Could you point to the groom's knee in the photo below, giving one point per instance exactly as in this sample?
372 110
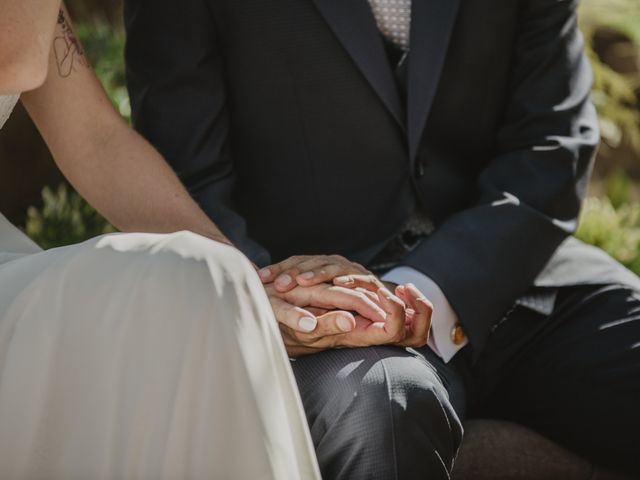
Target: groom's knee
378 412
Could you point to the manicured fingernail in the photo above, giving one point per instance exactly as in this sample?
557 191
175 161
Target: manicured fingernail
307 275
344 279
283 280
307 324
264 273
344 323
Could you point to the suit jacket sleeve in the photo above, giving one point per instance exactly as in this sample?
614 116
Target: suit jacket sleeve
176 85
529 196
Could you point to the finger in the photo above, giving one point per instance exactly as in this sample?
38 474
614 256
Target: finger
421 323
324 270
285 281
332 326
402 294
266 273
335 323
373 296
308 269
323 273
286 278
341 298
315 270
330 297
415 294
368 282
294 317
364 334
269 273
421 320
394 326
409 307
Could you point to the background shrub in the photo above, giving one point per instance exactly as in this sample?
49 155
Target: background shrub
63 219
612 222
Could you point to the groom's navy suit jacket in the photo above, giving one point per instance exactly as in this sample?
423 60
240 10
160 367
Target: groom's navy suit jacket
287 123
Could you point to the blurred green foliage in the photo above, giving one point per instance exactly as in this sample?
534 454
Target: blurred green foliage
83 11
64 218
104 46
617 104
615 230
618 188
623 15
614 94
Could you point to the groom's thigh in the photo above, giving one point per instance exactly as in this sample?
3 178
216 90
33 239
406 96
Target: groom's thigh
576 377
381 412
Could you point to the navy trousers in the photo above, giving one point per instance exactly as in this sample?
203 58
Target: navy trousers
573 375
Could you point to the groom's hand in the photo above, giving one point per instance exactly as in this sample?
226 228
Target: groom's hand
405 319
309 270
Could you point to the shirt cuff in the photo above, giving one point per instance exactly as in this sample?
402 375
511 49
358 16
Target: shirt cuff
443 319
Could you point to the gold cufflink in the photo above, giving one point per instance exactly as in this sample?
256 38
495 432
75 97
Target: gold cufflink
458 337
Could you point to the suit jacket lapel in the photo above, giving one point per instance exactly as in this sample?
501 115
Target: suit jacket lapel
432 22
353 23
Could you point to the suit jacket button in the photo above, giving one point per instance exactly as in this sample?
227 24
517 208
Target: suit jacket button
458 337
419 169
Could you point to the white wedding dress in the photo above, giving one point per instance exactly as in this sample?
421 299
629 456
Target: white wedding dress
139 356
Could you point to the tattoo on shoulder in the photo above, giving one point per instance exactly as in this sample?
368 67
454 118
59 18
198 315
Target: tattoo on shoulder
67 48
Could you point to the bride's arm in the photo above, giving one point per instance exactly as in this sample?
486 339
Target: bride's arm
26 30
112 166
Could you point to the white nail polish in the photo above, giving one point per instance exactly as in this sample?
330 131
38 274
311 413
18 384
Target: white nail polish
307 324
343 279
283 280
344 324
264 273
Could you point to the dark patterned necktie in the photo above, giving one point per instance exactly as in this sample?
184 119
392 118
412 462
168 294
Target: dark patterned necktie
394 20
